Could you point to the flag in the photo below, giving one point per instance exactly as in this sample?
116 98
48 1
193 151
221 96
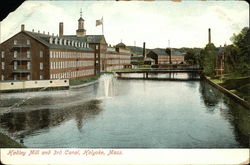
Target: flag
99 22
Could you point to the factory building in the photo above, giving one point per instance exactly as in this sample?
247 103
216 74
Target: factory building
30 55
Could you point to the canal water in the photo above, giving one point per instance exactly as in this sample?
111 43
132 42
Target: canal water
126 114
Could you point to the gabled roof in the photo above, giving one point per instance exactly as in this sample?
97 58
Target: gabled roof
159 51
87 38
44 39
121 45
162 52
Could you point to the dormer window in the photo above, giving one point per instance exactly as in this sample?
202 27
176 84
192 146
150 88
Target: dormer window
28 42
56 40
50 40
15 42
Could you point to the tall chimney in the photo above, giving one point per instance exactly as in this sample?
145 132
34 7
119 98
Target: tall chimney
22 27
143 50
209 36
60 29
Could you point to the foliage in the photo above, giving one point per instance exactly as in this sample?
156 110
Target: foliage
239 54
6 142
79 81
208 59
190 57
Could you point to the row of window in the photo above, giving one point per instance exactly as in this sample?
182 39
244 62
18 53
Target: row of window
70 64
28 65
117 56
27 42
16 77
61 41
72 74
118 61
114 67
28 54
57 54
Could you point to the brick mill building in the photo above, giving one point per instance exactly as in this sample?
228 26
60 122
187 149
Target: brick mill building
36 56
161 56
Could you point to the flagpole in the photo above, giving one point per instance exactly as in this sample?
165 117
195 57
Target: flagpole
102 25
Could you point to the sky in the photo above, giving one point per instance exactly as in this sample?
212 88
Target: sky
184 24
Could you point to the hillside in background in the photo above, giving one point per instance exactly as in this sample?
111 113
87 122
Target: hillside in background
175 51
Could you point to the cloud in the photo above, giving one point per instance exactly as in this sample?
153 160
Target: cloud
185 23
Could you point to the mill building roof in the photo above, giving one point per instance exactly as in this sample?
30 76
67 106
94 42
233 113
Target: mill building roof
76 43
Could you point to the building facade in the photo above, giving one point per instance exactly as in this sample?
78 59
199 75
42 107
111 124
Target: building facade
161 57
37 56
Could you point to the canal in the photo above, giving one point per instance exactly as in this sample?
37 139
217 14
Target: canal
118 113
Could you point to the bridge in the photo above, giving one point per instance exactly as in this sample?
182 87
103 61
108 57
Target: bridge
192 74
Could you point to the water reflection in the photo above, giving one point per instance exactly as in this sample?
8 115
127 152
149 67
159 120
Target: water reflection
21 124
234 113
127 113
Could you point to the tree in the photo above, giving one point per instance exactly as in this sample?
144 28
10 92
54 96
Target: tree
208 57
242 51
190 57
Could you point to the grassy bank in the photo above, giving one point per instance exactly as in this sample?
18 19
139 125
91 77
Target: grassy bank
6 142
239 85
84 80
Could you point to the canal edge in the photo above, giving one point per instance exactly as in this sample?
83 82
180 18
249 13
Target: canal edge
228 93
9 142
83 85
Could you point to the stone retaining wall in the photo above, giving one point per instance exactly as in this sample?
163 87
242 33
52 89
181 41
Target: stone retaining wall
32 84
228 93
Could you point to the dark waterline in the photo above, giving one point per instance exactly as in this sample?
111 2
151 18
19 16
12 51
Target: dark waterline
127 114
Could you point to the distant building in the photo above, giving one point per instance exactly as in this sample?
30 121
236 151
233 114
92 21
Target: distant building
117 57
136 55
162 57
220 60
149 61
36 56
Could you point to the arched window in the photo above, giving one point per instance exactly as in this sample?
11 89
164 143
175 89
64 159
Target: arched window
65 42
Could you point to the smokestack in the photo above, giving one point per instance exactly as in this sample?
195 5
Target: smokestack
22 27
60 29
209 36
143 50
168 51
